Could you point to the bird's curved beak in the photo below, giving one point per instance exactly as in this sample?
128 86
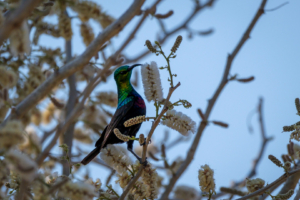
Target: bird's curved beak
133 66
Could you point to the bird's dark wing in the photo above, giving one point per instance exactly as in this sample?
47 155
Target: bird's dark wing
118 116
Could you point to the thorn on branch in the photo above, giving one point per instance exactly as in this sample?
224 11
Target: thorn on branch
201 115
245 80
222 124
57 104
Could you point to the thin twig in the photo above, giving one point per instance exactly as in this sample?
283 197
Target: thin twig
47 134
112 173
264 138
212 101
273 9
182 26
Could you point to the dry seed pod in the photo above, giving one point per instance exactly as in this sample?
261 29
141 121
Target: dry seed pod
65 28
176 44
275 160
87 33
285 158
105 20
295 135
150 47
290 148
288 128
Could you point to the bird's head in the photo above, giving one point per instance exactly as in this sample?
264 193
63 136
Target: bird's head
123 73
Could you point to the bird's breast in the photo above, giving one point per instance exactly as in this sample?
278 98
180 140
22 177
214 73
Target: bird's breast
140 103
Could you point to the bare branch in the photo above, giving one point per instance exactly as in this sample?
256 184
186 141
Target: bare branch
68 136
192 150
291 182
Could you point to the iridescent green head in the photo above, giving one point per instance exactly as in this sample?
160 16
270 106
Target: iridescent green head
122 74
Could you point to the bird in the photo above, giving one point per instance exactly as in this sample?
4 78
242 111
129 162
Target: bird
130 105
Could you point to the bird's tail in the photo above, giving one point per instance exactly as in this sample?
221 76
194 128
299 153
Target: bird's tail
91 155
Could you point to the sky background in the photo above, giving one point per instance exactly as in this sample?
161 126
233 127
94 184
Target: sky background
271 56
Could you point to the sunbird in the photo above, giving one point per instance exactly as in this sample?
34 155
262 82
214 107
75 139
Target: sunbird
130 105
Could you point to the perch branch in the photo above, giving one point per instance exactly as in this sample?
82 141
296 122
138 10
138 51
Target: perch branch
279 181
76 64
212 101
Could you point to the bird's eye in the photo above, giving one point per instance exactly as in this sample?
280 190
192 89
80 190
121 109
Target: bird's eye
123 72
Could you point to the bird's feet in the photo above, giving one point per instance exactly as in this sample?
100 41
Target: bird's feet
145 163
145 143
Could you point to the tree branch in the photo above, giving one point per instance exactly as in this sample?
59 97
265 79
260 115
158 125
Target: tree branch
290 183
279 181
212 101
68 136
77 64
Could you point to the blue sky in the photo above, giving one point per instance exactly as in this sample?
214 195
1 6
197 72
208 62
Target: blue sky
271 56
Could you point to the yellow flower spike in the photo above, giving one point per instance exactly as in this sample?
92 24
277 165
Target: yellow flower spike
121 136
134 121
